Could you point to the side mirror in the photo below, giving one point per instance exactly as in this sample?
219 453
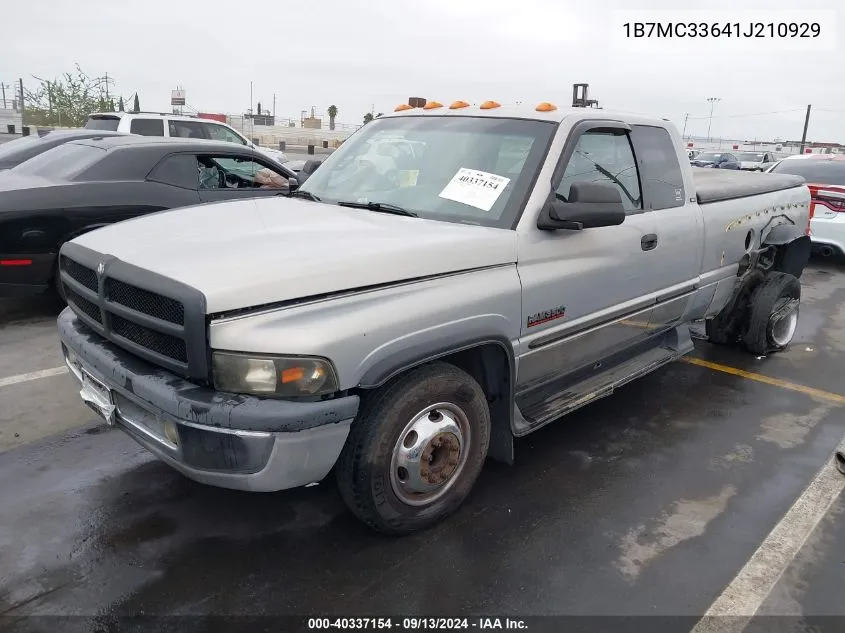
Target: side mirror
293 184
591 205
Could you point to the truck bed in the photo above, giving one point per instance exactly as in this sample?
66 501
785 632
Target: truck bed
716 185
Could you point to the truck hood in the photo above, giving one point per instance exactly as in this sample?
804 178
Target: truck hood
248 253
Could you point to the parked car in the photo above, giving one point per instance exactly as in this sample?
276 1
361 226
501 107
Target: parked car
717 160
825 175
396 326
86 184
13 153
755 161
175 125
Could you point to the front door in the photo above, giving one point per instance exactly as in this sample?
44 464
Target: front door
233 177
591 293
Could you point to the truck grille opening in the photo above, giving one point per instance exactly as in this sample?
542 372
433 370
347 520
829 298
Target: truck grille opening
144 301
82 274
82 304
155 318
158 342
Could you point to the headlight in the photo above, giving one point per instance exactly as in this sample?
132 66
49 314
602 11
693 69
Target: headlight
279 376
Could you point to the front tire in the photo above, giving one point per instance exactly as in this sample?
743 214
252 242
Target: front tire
773 315
415 450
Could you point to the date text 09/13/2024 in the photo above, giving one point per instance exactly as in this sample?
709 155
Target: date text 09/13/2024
417 624
752 30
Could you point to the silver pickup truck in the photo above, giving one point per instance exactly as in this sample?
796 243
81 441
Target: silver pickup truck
449 279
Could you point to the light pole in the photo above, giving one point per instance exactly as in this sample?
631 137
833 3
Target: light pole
713 101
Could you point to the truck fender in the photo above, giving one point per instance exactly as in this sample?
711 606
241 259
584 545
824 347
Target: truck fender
793 250
488 358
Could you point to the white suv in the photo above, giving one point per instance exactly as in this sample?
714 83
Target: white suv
155 124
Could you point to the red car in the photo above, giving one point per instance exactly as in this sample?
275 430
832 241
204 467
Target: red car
825 176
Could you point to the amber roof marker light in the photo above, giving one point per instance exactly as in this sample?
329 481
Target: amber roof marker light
489 105
403 106
546 107
457 105
432 105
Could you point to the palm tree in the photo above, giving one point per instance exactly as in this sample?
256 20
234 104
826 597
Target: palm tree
332 115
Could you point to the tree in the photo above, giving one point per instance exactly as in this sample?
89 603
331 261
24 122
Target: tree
136 106
111 105
120 107
332 115
379 114
67 100
368 117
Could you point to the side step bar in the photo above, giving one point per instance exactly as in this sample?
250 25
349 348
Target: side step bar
545 404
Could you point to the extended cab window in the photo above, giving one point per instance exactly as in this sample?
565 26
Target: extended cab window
604 157
147 127
221 172
660 171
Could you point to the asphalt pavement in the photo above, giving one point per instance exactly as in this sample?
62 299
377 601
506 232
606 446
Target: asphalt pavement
704 488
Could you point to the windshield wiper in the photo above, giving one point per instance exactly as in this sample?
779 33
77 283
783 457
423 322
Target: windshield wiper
299 193
380 207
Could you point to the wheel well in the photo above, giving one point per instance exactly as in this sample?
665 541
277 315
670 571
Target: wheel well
491 366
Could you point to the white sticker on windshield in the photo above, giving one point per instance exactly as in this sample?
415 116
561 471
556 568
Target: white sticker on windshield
475 188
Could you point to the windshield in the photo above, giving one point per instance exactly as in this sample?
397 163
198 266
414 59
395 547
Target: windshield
750 157
816 171
471 170
708 156
102 123
62 162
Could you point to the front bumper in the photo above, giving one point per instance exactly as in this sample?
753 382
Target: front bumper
226 440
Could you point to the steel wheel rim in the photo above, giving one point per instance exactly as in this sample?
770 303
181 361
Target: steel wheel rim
783 326
430 454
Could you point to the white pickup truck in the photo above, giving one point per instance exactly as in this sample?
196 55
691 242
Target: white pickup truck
400 319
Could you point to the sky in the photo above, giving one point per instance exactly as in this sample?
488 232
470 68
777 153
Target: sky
369 55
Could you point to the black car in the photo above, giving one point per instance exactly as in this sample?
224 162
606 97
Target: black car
13 153
716 160
83 185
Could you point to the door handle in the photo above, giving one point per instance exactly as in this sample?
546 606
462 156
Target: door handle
649 242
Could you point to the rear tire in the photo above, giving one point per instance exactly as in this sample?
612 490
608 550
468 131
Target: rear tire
773 317
415 449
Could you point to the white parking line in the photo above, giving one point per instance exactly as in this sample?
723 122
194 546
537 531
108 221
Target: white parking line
742 598
33 375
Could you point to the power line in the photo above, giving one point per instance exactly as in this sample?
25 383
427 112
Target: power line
734 116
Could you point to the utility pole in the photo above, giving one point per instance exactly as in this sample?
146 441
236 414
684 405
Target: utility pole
23 109
686 116
713 101
806 124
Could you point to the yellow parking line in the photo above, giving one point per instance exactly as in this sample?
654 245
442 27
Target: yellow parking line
783 384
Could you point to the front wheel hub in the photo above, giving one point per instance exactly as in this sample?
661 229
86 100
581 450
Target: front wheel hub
430 454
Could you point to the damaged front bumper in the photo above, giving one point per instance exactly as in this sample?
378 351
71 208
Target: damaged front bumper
227 440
